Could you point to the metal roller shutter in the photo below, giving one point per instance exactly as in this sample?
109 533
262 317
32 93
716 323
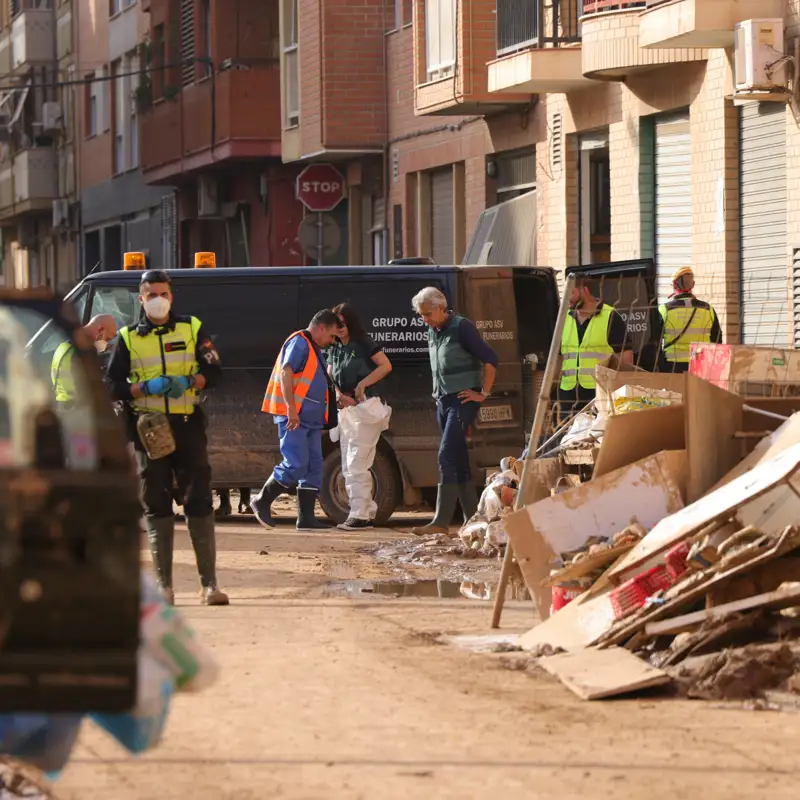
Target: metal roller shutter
673 173
442 216
764 235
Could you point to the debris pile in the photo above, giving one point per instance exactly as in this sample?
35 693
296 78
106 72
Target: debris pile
673 555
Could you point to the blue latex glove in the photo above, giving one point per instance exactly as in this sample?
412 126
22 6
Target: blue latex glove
177 386
158 386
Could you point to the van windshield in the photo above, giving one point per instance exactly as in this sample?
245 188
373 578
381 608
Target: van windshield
122 302
44 339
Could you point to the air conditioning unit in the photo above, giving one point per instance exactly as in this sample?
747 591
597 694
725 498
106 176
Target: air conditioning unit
761 65
61 217
52 117
207 197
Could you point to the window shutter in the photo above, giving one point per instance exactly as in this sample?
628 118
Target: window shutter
187 42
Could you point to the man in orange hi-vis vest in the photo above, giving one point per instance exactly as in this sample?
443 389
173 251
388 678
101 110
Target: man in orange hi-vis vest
302 404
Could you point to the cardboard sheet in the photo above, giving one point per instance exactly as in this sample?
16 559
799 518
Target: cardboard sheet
644 492
713 416
765 479
574 627
639 434
595 674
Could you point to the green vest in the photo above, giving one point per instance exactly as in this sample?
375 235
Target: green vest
579 358
171 354
61 373
454 369
697 321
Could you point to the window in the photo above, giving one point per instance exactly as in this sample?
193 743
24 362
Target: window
68 103
120 121
91 106
104 101
205 22
122 302
114 7
291 86
595 198
158 60
440 38
407 11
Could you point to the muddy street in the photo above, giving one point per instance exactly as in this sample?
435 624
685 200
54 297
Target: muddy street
337 681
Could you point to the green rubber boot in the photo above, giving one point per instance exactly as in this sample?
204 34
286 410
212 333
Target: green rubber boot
468 498
161 537
201 531
446 499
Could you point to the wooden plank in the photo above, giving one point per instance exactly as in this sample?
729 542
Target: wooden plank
778 599
639 434
713 416
595 674
587 565
711 579
718 505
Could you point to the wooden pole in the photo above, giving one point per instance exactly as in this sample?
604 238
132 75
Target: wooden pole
533 441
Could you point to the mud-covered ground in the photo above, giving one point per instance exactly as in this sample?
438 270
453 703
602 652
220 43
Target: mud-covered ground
337 682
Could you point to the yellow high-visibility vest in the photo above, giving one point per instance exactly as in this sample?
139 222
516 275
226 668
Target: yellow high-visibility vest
61 373
697 322
579 358
171 354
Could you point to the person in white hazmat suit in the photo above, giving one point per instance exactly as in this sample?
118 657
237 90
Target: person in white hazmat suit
356 365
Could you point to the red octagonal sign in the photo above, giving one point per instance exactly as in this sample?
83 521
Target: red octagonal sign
320 187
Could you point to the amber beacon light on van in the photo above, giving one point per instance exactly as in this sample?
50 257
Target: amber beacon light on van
133 261
205 260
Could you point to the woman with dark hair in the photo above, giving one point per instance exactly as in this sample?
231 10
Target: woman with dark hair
356 365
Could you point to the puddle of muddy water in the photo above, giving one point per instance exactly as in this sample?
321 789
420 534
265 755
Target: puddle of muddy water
443 589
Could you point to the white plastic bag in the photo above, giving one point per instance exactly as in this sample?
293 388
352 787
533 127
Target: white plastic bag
371 412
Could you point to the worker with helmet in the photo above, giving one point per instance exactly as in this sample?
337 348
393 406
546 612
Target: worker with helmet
157 367
684 320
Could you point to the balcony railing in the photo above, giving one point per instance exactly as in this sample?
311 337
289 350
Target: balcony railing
596 6
531 23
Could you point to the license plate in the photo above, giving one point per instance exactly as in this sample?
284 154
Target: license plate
496 414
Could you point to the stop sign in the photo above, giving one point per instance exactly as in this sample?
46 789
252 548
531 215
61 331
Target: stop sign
320 187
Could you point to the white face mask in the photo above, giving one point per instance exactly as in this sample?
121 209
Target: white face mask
157 307
101 345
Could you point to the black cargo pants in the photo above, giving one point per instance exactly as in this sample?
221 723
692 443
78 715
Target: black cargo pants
188 467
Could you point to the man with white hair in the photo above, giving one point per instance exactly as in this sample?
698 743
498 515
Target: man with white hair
464 369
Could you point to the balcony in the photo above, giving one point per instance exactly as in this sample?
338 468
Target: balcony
235 115
32 38
29 183
700 23
538 47
451 67
611 49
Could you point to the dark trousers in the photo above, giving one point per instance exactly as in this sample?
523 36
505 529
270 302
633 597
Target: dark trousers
572 401
455 418
187 467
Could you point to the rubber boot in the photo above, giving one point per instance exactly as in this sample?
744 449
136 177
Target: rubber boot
161 536
306 521
224 509
468 498
446 499
262 502
201 531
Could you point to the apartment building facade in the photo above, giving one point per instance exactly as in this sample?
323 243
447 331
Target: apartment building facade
38 178
211 128
616 119
118 210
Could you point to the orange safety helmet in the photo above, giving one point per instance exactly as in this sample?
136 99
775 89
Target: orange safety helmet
134 261
205 260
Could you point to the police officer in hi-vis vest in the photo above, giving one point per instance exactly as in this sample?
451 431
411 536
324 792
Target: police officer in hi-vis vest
593 331
300 375
101 329
684 319
159 365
